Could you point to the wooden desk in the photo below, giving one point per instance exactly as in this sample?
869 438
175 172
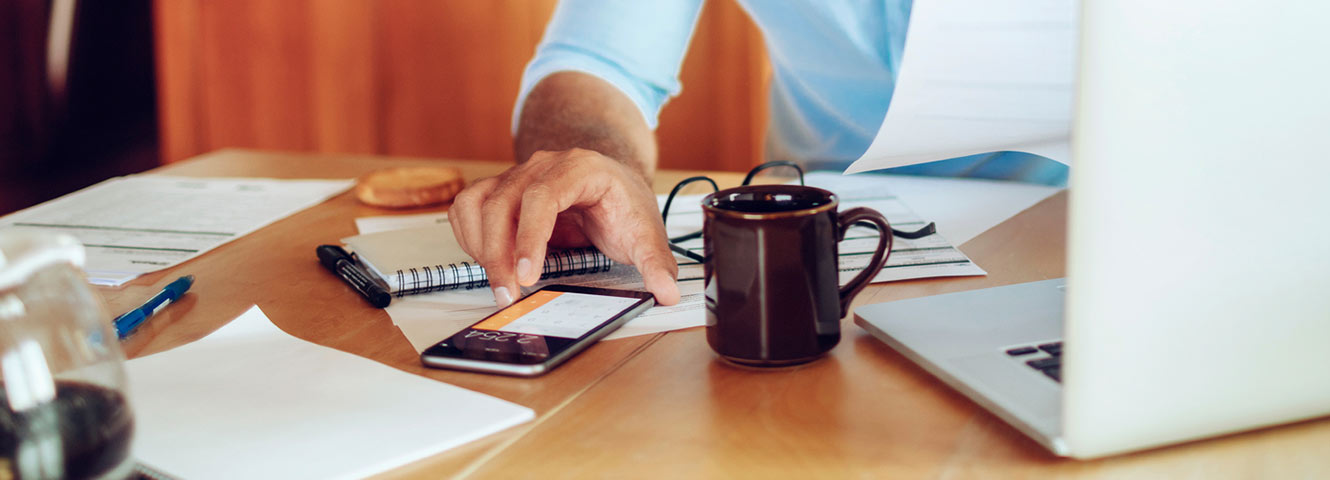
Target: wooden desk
663 405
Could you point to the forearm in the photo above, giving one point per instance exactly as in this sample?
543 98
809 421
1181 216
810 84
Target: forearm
575 110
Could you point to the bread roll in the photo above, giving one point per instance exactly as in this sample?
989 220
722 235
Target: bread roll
407 187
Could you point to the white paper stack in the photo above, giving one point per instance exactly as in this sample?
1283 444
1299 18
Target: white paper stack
250 401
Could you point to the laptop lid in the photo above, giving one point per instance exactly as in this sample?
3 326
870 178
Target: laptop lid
1199 233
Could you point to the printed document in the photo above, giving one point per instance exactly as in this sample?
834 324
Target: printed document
250 401
930 256
143 223
962 207
425 319
980 76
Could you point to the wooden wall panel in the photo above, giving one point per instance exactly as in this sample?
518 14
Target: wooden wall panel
416 78
343 77
256 73
179 79
449 74
719 121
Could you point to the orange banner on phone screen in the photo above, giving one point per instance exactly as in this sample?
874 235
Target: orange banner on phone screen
516 310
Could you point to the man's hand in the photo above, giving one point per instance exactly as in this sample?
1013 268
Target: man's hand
565 199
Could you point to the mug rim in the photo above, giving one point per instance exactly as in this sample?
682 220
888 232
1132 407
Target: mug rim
803 212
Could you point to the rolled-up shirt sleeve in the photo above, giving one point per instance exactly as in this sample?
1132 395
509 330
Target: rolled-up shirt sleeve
636 46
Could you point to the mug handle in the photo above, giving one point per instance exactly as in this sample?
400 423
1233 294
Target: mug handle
847 219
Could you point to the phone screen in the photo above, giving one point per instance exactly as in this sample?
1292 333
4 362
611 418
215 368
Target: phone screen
537 327
556 314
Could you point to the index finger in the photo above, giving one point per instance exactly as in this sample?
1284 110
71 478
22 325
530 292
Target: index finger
496 242
535 223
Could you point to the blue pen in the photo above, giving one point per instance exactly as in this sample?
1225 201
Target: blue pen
125 324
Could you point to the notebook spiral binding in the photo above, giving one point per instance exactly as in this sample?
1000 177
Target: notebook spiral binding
467 276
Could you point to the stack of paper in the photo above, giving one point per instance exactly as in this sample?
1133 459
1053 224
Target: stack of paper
144 223
428 318
250 401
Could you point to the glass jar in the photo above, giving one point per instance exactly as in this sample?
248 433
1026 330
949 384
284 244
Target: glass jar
64 412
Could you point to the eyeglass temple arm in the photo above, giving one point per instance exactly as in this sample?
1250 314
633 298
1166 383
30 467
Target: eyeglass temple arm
778 163
687 253
927 230
665 212
686 237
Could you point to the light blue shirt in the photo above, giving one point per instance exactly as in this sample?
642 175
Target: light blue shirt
834 68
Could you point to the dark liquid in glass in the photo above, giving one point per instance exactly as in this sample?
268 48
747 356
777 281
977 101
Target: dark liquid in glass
93 425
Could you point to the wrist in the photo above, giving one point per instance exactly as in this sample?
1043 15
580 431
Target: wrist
629 164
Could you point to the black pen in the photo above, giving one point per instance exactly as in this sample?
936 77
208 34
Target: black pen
336 260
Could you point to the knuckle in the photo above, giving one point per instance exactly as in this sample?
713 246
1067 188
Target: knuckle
585 169
562 170
538 192
590 157
483 184
464 201
580 153
543 160
497 199
541 156
582 157
469 197
495 205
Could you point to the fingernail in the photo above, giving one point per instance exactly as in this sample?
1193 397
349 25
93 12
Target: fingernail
502 297
523 268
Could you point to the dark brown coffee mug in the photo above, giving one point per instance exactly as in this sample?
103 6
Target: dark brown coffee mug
771 271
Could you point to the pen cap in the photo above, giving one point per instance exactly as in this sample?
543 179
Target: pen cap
63 408
330 254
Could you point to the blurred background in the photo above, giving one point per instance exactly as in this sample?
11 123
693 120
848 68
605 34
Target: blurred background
90 90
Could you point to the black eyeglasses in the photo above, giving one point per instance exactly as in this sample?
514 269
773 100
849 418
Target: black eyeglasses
927 230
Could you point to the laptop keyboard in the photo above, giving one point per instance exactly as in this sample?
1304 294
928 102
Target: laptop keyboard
1044 357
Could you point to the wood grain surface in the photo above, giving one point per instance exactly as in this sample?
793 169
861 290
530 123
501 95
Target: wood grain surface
664 406
677 411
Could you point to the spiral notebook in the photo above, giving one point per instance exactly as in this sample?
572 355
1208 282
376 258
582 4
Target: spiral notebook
427 259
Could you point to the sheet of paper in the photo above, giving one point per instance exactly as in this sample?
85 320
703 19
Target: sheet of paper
962 208
931 256
384 223
980 76
428 318
408 248
250 401
425 319
143 223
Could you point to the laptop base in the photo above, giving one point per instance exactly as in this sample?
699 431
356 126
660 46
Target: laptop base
962 338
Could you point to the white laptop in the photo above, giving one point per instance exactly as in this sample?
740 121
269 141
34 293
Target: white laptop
1197 297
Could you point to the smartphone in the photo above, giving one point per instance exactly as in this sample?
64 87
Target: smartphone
538 332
